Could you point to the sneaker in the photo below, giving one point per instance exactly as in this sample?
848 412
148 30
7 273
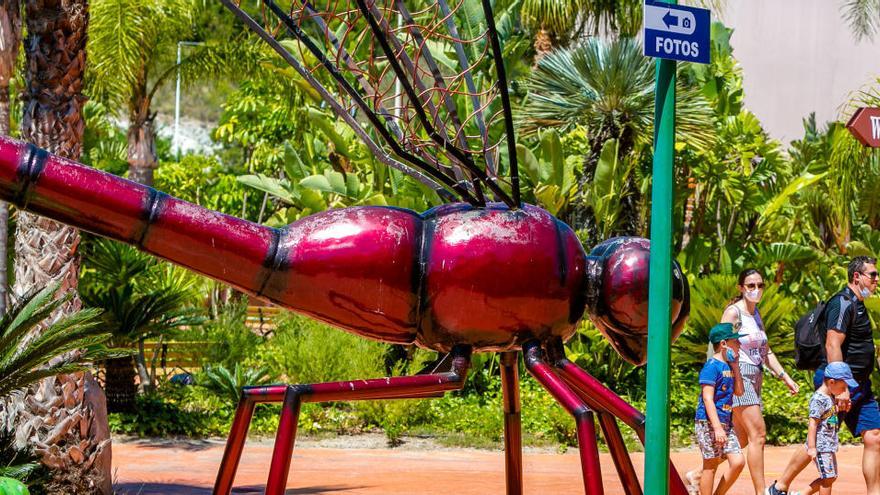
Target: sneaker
693 479
776 491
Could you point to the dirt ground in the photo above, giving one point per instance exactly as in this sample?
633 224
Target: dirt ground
362 466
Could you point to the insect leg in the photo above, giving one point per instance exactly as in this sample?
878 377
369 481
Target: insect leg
512 422
250 397
625 469
583 416
603 399
397 387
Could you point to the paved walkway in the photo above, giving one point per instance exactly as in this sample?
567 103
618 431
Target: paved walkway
177 468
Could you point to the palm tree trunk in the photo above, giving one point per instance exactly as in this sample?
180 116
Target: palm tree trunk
543 44
119 384
689 206
10 41
79 453
4 207
142 159
140 361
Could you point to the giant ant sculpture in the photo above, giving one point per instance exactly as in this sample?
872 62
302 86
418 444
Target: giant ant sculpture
470 276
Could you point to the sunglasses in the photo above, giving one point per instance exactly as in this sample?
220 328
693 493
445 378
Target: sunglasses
873 274
759 285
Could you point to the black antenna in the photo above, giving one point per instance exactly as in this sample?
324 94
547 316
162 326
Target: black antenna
358 99
380 154
505 100
420 112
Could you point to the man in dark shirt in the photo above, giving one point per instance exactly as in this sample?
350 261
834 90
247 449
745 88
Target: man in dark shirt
848 338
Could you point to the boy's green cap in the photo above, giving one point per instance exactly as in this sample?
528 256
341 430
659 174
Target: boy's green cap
722 331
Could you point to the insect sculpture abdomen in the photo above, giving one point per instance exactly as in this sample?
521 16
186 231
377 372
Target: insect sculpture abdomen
490 277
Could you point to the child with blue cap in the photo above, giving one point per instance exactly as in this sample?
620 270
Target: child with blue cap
720 379
822 440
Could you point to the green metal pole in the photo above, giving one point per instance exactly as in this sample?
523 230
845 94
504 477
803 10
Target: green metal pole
660 283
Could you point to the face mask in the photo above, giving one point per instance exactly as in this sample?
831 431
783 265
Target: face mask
731 356
865 293
753 295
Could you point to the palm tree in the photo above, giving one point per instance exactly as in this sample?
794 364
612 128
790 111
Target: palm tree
607 88
557 22
132 51
46 250
552 21
63 347
131 44
10 42
142 299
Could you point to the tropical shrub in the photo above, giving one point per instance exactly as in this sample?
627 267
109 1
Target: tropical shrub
228 339
227 384
306 351
68 345
142 298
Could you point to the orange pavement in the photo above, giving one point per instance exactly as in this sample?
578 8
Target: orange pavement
174 468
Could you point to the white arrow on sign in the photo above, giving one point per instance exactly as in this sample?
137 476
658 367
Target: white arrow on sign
669 20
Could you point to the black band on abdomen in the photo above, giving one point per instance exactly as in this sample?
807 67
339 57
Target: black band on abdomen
30 167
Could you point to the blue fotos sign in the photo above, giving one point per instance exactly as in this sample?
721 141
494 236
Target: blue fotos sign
677 32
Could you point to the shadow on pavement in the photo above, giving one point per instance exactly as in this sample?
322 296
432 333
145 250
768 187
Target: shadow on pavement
181 489
159 488
309 490
189 445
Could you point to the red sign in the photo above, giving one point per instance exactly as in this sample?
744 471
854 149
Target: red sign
865 126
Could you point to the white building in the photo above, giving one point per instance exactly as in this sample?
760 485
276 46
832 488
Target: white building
799 56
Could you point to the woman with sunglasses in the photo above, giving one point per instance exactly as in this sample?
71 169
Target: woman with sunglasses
755 354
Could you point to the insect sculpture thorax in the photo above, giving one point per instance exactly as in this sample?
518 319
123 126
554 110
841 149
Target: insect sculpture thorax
490 277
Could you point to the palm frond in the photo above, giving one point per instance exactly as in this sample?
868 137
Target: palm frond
710 296
557 16
141 298
863 17
215 60
62 347
607 88
124 36
227 384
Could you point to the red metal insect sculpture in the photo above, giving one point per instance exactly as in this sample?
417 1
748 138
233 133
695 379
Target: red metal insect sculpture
465 277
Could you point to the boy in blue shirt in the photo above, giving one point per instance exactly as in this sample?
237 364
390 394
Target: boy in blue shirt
719 380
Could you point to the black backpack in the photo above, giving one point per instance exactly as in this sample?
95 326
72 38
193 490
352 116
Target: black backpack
809 339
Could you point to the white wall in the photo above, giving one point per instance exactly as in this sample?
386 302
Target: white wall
798 56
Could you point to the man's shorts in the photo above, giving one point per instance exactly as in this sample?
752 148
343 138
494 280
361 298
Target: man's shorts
826 463
864 414
706 441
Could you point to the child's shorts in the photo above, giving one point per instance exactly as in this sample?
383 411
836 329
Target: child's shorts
826 463
706 441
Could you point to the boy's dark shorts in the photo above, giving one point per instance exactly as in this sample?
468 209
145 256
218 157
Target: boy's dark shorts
864 414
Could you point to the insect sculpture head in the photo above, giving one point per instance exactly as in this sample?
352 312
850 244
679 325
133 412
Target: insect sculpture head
617 295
